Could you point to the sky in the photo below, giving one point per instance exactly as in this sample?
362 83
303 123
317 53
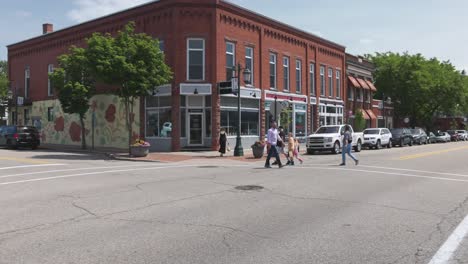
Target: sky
434 28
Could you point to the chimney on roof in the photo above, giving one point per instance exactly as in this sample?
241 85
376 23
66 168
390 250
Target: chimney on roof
47 28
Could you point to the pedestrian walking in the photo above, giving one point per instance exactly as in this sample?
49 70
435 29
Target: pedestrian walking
272 141
347 145
296 151
281 144
291 146
222 142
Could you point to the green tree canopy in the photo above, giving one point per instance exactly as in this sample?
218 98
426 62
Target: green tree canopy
419 87
130 61
3 79
74 85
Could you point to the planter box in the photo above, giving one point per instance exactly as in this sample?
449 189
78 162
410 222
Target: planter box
258 152
140 151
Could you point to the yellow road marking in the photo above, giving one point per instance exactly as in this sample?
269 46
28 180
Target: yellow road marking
30 161
425 154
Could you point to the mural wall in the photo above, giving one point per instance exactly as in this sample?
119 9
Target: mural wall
109 126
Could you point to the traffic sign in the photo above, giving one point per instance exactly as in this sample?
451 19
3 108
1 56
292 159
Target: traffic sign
225 87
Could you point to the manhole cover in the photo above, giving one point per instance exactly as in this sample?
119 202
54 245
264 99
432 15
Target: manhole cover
208 167
249 187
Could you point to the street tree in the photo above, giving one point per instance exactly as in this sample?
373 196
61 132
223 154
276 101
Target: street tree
3 79
131 62
420 88
74 85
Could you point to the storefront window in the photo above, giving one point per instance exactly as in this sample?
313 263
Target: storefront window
249 123
158 122
208 122
300 124
158 116
249 116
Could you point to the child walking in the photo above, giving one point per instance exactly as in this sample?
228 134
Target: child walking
296 151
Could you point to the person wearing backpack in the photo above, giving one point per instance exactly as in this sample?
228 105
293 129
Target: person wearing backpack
347 146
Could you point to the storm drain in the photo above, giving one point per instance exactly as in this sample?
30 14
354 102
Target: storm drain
248 187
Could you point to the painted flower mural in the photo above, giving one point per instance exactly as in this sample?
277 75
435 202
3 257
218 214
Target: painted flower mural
110 113
59 124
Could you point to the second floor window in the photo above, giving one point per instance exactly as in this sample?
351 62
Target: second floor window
286 73
338 84
322 80
272 71
298 76
249 62
351 93
330 82
27 81
230 59
312 78
196 59
50 87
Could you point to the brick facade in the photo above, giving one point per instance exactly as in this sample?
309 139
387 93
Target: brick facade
217 22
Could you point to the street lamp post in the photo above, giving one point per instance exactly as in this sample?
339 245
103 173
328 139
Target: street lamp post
239 150
13 97
276 106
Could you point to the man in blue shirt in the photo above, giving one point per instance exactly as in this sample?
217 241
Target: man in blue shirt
272 139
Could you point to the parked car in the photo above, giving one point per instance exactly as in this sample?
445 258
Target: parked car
443 137
453 135
377 137
462 135
432 138
331 138
19 136
419 136
401 137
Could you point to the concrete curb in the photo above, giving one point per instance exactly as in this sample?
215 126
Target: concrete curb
117 157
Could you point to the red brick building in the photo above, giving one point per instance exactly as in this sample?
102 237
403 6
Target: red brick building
202 41
360 94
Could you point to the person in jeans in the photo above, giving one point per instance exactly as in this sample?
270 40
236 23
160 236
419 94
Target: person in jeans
347 145
272 140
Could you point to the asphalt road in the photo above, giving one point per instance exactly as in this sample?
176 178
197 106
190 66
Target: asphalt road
403 205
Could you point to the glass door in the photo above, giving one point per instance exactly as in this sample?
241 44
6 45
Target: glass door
196 129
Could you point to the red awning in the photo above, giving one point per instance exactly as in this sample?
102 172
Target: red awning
363 83
354 82
371 85
364 114
371 114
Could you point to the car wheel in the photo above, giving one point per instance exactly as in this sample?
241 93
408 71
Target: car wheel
358 147
336 148
389 145
378 145
402 142
410 143
310 152
34 147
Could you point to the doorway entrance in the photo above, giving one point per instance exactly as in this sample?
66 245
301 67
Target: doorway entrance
196 129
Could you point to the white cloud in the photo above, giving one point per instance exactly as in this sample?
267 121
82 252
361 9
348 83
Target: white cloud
90 9
22 13
366 41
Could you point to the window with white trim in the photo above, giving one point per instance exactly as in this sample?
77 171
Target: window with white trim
249 62
322 80
27 81
230 59
272 71
195 59
50 88
312 78
330 82
298 76
351 93
286 73
338 83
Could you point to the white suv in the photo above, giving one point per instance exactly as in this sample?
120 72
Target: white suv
377 137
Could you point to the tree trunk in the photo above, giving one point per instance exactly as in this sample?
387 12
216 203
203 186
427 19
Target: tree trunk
83 133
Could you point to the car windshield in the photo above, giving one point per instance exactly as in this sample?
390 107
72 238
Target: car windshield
397 131
371 132
328 130
461 131
451 132
27 130
415 131
440 134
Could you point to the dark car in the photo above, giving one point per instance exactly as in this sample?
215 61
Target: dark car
401 137
453 135
19 136
419 136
